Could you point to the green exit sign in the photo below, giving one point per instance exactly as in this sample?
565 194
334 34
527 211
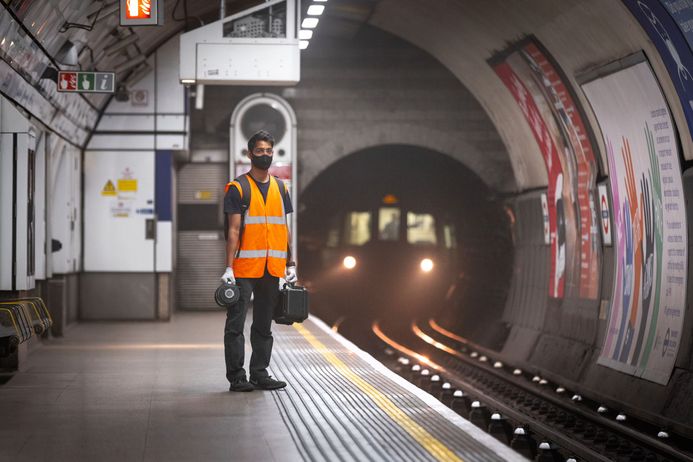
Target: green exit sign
86 82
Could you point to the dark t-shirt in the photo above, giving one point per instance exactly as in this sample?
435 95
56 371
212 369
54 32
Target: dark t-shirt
232 199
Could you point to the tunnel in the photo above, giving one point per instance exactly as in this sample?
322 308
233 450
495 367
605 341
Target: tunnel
472 188
352 210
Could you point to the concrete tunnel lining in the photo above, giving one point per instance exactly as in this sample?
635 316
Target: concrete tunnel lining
464 35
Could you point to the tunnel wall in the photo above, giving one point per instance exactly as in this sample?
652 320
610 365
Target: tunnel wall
367 91
562 342
580 34
560 339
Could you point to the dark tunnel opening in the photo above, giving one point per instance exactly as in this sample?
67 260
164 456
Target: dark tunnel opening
391 207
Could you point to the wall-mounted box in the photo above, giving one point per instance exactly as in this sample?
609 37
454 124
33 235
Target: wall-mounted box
258 46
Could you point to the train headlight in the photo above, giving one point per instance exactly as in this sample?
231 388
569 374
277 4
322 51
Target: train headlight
349 262
426 265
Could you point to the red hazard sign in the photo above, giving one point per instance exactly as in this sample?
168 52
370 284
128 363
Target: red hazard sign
138 9
67 81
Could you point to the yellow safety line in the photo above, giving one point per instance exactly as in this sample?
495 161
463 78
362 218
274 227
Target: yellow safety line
434 446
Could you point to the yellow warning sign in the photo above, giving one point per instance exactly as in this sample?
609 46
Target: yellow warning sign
127 185
108 189
203 195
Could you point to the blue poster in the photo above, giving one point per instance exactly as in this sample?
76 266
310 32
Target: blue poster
682 12
669 24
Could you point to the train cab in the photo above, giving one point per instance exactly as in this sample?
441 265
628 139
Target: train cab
391 256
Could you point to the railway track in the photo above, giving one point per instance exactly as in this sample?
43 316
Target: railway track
539 419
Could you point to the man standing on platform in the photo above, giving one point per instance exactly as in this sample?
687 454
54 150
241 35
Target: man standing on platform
257 255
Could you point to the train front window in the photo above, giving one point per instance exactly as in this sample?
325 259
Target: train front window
332 240
388 224
421 229
357 228
449 236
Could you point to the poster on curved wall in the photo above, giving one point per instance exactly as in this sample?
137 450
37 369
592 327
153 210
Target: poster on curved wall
669 24
649 289
557 123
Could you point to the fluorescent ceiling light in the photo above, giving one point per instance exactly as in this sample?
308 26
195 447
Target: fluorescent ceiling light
309 23
187 81
303 44
305 34
315 10
320 1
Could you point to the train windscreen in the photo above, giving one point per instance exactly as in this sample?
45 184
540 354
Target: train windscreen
388 223
357 228
421 229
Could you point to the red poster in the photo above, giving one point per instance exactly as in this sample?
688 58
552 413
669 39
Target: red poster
553 167
560 131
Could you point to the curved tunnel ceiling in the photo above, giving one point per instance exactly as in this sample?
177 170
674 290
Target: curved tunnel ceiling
579 34
462 35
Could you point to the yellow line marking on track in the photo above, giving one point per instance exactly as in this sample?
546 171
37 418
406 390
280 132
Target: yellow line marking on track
434 446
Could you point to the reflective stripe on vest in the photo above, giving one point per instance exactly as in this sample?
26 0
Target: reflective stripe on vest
261 253
265 235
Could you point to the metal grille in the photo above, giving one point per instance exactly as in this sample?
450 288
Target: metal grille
200 265
201 253
202 183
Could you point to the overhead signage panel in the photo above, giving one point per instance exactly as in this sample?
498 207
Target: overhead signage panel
86 82
141 12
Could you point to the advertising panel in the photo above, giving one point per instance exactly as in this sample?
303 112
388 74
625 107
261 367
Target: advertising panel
669 24
649 291
557 124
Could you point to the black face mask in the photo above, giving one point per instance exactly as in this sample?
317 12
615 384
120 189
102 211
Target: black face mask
261 162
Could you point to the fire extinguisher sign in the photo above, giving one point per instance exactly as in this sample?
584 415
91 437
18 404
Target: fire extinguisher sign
86 82
141 12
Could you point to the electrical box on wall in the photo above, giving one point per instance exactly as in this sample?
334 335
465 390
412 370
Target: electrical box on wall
258 46
17 185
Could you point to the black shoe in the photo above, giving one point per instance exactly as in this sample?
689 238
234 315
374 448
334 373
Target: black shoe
240 384
267 383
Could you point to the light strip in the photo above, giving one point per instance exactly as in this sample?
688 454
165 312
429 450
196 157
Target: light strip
315 10
309 23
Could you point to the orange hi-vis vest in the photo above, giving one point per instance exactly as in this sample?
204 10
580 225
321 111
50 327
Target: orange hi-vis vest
265 235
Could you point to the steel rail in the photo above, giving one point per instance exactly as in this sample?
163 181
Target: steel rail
505 410
645 439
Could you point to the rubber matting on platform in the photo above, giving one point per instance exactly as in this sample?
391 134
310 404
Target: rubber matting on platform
332 418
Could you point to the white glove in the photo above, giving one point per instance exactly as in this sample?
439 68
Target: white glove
290 275
228 276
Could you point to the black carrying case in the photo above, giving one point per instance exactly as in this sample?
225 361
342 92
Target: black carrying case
292 306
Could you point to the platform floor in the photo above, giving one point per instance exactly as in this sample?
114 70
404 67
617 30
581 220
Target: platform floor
157 392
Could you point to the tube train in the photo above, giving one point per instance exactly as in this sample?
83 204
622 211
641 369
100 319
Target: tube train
380 254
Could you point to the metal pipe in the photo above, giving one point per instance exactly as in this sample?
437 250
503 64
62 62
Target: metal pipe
222 9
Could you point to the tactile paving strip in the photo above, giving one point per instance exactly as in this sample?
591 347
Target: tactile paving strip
332 418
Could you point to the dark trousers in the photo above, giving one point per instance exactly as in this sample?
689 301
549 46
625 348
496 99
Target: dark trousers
266 290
